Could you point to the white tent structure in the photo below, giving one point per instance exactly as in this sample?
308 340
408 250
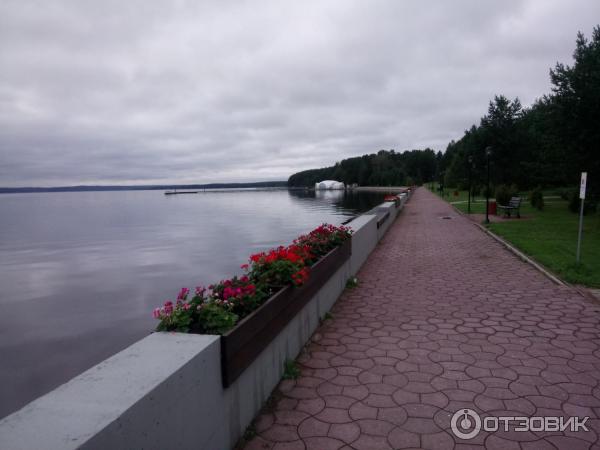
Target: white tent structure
329 185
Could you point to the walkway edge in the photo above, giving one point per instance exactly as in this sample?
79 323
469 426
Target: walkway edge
523 256
518 252
584 292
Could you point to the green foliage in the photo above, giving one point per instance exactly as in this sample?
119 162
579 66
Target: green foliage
384 168
536 197
351 283
291 371
576 108
548 144
504 193
179 321
216 310
276 273
215 319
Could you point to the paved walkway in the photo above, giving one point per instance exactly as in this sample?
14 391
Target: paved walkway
444 318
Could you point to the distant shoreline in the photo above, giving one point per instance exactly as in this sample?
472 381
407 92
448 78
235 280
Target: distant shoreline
196 187
25 190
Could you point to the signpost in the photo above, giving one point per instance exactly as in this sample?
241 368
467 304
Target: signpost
582 199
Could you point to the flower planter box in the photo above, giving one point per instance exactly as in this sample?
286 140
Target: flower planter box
241 345
393 198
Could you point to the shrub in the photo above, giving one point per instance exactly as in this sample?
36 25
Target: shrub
505 192
536 197
502 194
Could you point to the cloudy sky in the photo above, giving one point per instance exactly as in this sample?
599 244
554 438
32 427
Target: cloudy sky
133 92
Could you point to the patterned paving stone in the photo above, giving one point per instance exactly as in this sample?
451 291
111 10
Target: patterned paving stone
444 318
347 432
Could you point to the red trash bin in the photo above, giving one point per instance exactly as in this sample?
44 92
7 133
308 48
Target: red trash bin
493 208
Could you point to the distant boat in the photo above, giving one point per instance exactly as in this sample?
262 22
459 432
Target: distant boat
175 191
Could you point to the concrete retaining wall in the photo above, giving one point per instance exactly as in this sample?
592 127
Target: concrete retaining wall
165 391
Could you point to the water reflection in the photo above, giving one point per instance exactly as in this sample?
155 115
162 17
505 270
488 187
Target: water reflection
345 201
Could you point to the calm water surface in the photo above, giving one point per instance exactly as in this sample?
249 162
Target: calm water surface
81 272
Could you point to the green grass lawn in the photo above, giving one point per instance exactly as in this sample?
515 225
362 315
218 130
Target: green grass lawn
549 236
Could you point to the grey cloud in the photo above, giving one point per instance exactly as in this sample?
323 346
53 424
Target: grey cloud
143 92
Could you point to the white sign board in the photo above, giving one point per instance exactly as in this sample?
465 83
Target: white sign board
582 187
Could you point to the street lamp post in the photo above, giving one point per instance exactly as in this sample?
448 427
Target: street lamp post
470 160
488 152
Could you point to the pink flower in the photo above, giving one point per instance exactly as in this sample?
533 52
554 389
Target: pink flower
183 293
168 308
156 313
200 291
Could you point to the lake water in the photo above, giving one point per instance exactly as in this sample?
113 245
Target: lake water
80 272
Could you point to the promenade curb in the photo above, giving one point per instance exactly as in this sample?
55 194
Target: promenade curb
523 257
513 249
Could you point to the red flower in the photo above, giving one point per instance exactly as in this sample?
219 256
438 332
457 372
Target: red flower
300 277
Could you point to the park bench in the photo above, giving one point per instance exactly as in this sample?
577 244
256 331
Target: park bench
513 205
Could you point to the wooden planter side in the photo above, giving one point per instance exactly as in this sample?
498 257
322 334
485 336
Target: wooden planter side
241 345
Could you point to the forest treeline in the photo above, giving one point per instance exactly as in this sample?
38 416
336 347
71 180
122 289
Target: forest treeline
547 144
384 168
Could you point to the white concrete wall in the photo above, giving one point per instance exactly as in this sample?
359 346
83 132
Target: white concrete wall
382 210
364 240
165 391
138 392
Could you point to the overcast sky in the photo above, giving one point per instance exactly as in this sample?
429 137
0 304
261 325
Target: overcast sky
130 92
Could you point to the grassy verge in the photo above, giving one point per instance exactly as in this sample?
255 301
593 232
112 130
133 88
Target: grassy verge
549 236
